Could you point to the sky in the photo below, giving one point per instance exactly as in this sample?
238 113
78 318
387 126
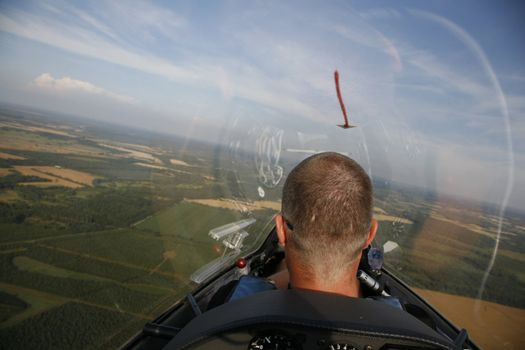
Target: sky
436 89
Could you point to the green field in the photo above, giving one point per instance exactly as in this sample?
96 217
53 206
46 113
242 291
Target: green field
125 271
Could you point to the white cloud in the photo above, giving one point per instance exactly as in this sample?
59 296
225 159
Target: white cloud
212 73
430 65
363 35
66 84
81 41
138 19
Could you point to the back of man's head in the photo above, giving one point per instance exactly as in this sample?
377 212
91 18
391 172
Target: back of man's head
327 199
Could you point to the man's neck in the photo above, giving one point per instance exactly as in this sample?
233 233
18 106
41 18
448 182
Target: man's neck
347 286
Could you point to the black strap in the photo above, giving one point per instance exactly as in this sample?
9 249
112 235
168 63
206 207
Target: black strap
461 339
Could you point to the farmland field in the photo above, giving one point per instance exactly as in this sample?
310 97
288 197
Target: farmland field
55 176
96 231
10 156
490 324
5 171
101 230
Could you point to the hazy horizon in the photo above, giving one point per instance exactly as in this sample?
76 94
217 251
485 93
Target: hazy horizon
377 178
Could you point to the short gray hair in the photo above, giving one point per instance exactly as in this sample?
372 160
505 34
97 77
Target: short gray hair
327 199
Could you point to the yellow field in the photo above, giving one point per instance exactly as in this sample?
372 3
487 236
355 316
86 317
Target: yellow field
188 186
472 220
382 215
178 162
237 205
131 153
56 131
10 156
490 325
471 227
5 171
56 176
160 167
142 148
17 140
24 138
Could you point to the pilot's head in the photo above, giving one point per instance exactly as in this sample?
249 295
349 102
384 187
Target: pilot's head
326 218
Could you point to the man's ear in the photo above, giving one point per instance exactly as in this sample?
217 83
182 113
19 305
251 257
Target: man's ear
371 233
280 227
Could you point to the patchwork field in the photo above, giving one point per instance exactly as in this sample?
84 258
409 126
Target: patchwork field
10 156
61 130
138 147
160 167
56 176
471 227
33 142
179 162
132 153
5 171
382 215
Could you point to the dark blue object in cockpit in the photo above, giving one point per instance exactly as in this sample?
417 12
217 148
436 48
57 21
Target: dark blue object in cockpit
249 285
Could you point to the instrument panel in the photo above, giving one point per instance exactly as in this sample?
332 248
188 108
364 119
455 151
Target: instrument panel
280 340
275 341
316 340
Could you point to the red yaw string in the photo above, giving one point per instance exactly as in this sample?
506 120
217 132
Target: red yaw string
343 108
